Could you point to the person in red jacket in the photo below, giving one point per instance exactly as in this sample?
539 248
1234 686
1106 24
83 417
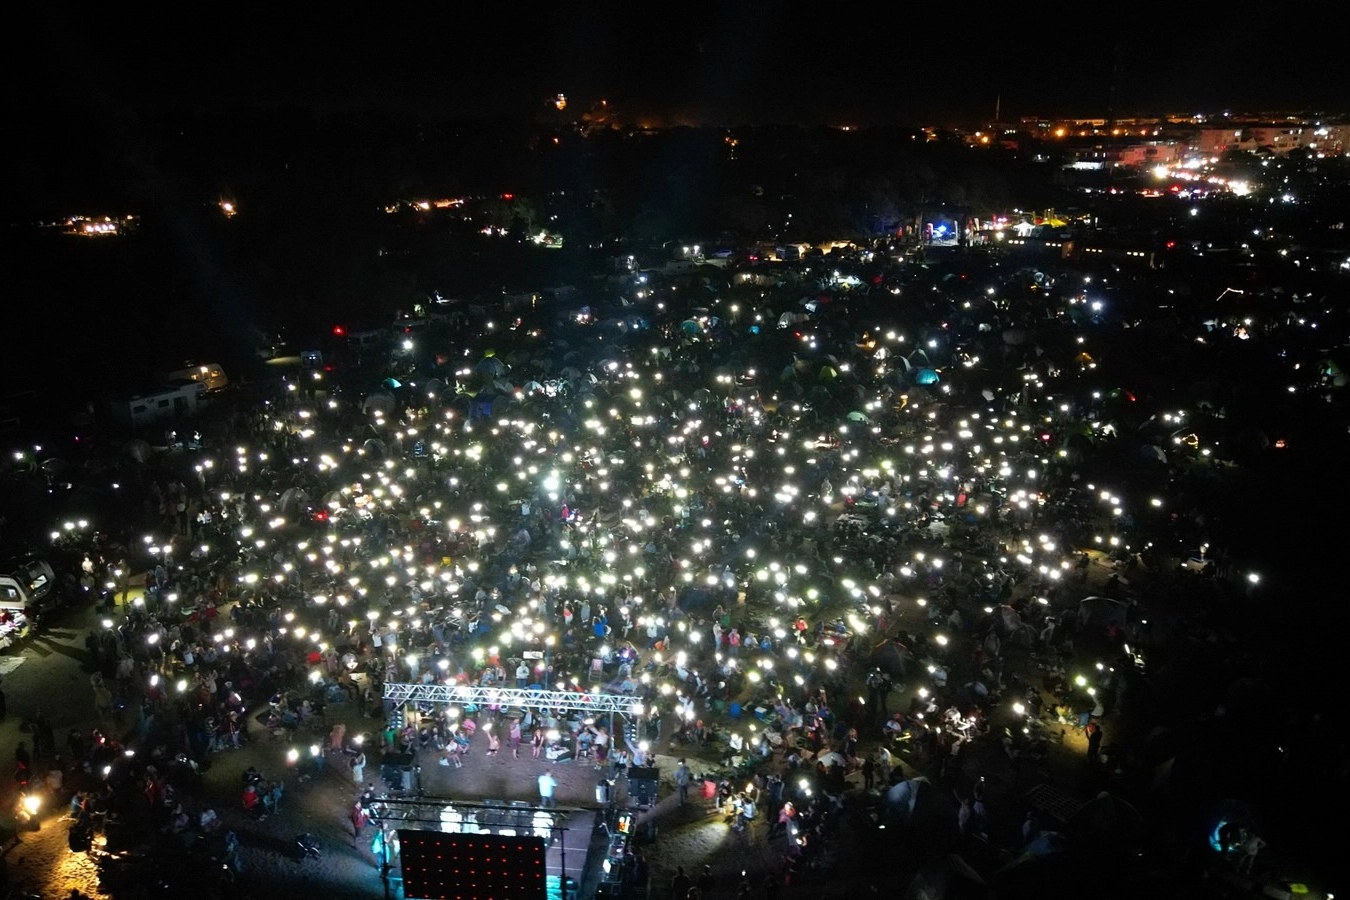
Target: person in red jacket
251 800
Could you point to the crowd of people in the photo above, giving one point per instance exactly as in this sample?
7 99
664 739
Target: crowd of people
764 561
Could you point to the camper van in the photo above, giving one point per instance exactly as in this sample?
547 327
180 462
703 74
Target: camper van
209 374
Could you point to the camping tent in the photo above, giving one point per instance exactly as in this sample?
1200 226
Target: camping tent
293 502
1101 612
948 878
908 802
1012 627
1106 816
892 657
491 367
378 404
138 450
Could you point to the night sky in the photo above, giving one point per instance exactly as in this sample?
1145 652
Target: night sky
740 64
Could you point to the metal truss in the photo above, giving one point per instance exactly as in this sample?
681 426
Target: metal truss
479 695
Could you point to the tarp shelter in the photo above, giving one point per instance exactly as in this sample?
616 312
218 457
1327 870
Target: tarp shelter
1101 612
832 758
927 376
696 599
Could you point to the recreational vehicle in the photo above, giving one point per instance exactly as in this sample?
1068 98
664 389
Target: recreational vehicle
211 375
170 402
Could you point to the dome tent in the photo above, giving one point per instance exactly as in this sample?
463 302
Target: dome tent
293 502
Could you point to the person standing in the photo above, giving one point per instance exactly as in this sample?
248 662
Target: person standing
682 778
706 882
537 741
1251 847
513 738
359 766
1094 737
680 884
546 785
359 820
522 675
600 747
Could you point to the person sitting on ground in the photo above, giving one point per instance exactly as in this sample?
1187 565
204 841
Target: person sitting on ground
208 821
252 802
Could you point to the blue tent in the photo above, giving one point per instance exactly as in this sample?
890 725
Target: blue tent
926 376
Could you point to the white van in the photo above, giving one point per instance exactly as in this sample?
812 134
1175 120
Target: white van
209 374
24 583
361 341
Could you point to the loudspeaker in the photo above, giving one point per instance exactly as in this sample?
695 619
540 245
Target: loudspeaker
397 771
642 784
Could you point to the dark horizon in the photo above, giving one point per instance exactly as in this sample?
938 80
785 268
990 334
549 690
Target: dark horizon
740 67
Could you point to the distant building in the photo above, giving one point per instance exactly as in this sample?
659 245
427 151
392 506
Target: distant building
1276 138
1123 153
